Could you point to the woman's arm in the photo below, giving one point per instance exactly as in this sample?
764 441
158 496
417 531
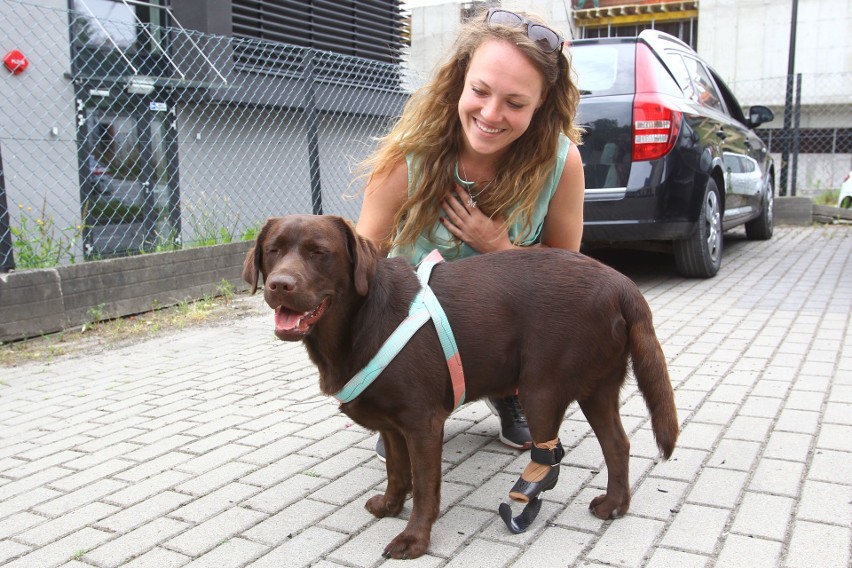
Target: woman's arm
384 196
563 226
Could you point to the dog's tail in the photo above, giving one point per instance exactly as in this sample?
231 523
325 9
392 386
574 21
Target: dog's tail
652 375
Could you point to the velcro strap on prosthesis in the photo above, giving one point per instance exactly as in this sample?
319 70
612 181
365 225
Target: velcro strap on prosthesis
547 457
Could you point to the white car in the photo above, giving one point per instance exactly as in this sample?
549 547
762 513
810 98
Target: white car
845 199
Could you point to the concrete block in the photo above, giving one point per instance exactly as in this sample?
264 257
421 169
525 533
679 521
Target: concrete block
794 210
138 284
30 304
762 515
36 302
818 544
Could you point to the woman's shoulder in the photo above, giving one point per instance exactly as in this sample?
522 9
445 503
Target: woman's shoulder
563 144
563 148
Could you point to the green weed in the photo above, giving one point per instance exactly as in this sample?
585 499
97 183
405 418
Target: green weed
226 290
39 242
827 197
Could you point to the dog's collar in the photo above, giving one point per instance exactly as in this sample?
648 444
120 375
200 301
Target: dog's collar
425 306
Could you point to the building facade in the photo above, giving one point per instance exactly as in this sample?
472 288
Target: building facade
148 125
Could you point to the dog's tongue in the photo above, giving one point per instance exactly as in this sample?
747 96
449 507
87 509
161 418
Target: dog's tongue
285 319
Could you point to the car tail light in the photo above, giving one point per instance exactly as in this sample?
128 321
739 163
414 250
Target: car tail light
655 125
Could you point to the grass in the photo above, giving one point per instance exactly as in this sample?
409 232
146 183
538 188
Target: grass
103 332
827 197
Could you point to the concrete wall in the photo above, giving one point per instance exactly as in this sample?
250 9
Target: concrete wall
39 126
261 168
37 302
750 39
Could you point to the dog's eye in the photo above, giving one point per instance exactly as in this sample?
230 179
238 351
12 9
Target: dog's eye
319 252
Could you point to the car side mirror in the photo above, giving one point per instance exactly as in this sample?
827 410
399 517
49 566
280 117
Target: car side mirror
758 114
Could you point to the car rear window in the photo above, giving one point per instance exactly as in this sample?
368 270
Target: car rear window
604 68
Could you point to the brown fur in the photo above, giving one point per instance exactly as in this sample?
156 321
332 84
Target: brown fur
553 324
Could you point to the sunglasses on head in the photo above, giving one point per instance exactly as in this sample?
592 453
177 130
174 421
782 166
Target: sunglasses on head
546 39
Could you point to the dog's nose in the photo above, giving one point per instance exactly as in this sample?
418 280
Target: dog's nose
281 283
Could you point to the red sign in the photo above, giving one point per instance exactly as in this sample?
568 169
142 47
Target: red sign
15 61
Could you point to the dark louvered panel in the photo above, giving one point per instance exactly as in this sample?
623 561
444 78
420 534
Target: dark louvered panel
368 29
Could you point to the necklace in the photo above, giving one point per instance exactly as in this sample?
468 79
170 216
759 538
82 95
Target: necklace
468 185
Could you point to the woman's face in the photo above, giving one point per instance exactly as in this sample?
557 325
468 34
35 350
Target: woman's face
502 90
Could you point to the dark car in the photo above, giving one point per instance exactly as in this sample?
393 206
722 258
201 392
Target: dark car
668 154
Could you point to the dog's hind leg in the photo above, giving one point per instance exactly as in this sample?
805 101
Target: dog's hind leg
398 467
542 473
544 415
601 411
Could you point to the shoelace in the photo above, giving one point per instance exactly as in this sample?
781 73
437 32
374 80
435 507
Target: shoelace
516 410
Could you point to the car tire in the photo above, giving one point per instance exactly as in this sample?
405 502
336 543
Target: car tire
700 255
760 228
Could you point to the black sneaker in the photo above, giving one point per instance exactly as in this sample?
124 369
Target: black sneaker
514 431
380 449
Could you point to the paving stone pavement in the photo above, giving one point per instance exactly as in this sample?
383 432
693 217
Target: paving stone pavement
212 447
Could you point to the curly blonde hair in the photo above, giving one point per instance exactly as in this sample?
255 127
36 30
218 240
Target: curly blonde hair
430 131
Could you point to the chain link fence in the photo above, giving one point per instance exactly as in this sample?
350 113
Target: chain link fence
129 138
814 153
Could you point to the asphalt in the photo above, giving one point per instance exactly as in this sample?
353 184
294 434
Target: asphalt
213 447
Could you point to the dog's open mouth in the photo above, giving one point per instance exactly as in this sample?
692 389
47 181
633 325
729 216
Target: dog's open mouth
295 325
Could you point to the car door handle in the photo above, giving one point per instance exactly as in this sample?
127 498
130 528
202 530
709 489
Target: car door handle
721 133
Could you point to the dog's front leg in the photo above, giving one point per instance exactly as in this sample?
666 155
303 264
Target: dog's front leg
414 540
398 467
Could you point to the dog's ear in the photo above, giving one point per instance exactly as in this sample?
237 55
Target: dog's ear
364 254
254 258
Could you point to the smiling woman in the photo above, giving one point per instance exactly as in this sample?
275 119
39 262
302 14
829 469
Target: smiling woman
505 139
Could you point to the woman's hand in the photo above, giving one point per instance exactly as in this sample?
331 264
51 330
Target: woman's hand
470 225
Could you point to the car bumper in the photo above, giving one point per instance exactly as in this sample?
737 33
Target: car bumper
660 203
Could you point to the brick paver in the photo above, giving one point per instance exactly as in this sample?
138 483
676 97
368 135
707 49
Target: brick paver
213 446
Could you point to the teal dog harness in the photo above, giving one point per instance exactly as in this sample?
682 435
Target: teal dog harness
424 307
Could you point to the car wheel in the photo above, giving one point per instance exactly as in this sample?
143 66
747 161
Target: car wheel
760 228
700 255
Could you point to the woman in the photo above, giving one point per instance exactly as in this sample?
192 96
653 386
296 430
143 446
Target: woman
483 159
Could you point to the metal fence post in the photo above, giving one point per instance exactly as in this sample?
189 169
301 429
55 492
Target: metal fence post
7 253
147 177
796 115
788 99
785 135
173 174
85 174
313 134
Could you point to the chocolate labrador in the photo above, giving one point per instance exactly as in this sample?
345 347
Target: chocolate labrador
553 325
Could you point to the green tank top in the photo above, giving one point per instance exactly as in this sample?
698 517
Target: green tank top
447 245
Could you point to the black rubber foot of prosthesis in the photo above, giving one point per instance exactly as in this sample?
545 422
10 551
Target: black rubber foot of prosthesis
532 489
522 522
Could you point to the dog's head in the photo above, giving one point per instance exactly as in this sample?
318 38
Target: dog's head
308 263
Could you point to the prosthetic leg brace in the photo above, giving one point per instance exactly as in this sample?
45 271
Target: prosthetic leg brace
540 475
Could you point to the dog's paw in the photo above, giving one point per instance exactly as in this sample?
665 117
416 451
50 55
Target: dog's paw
380 506
605 508
406 546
